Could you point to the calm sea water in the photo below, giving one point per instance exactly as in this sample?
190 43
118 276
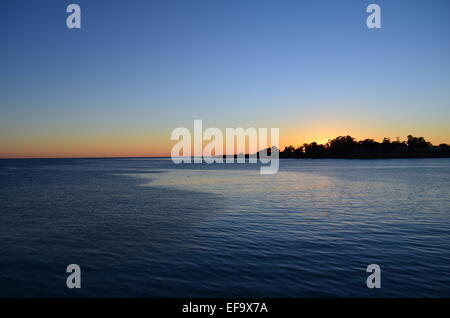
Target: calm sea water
149 228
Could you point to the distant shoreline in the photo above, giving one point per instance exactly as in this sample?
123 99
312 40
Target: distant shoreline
347 147
342 147
363 157
247 156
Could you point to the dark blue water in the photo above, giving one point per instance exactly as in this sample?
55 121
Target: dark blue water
149 228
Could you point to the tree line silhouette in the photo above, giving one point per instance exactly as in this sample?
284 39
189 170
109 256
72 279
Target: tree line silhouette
349 147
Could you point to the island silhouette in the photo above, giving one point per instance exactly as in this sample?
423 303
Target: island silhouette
347 147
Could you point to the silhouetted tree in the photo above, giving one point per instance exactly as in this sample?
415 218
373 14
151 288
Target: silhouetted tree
415 143
368 146
313 149
341 145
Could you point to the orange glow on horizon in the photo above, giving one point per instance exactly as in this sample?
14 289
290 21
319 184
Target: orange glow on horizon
152 145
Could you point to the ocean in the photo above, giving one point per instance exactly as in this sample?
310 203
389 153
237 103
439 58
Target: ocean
145 227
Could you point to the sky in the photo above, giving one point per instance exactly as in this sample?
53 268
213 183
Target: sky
136 70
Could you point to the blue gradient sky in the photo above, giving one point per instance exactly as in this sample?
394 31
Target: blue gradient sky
138 69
